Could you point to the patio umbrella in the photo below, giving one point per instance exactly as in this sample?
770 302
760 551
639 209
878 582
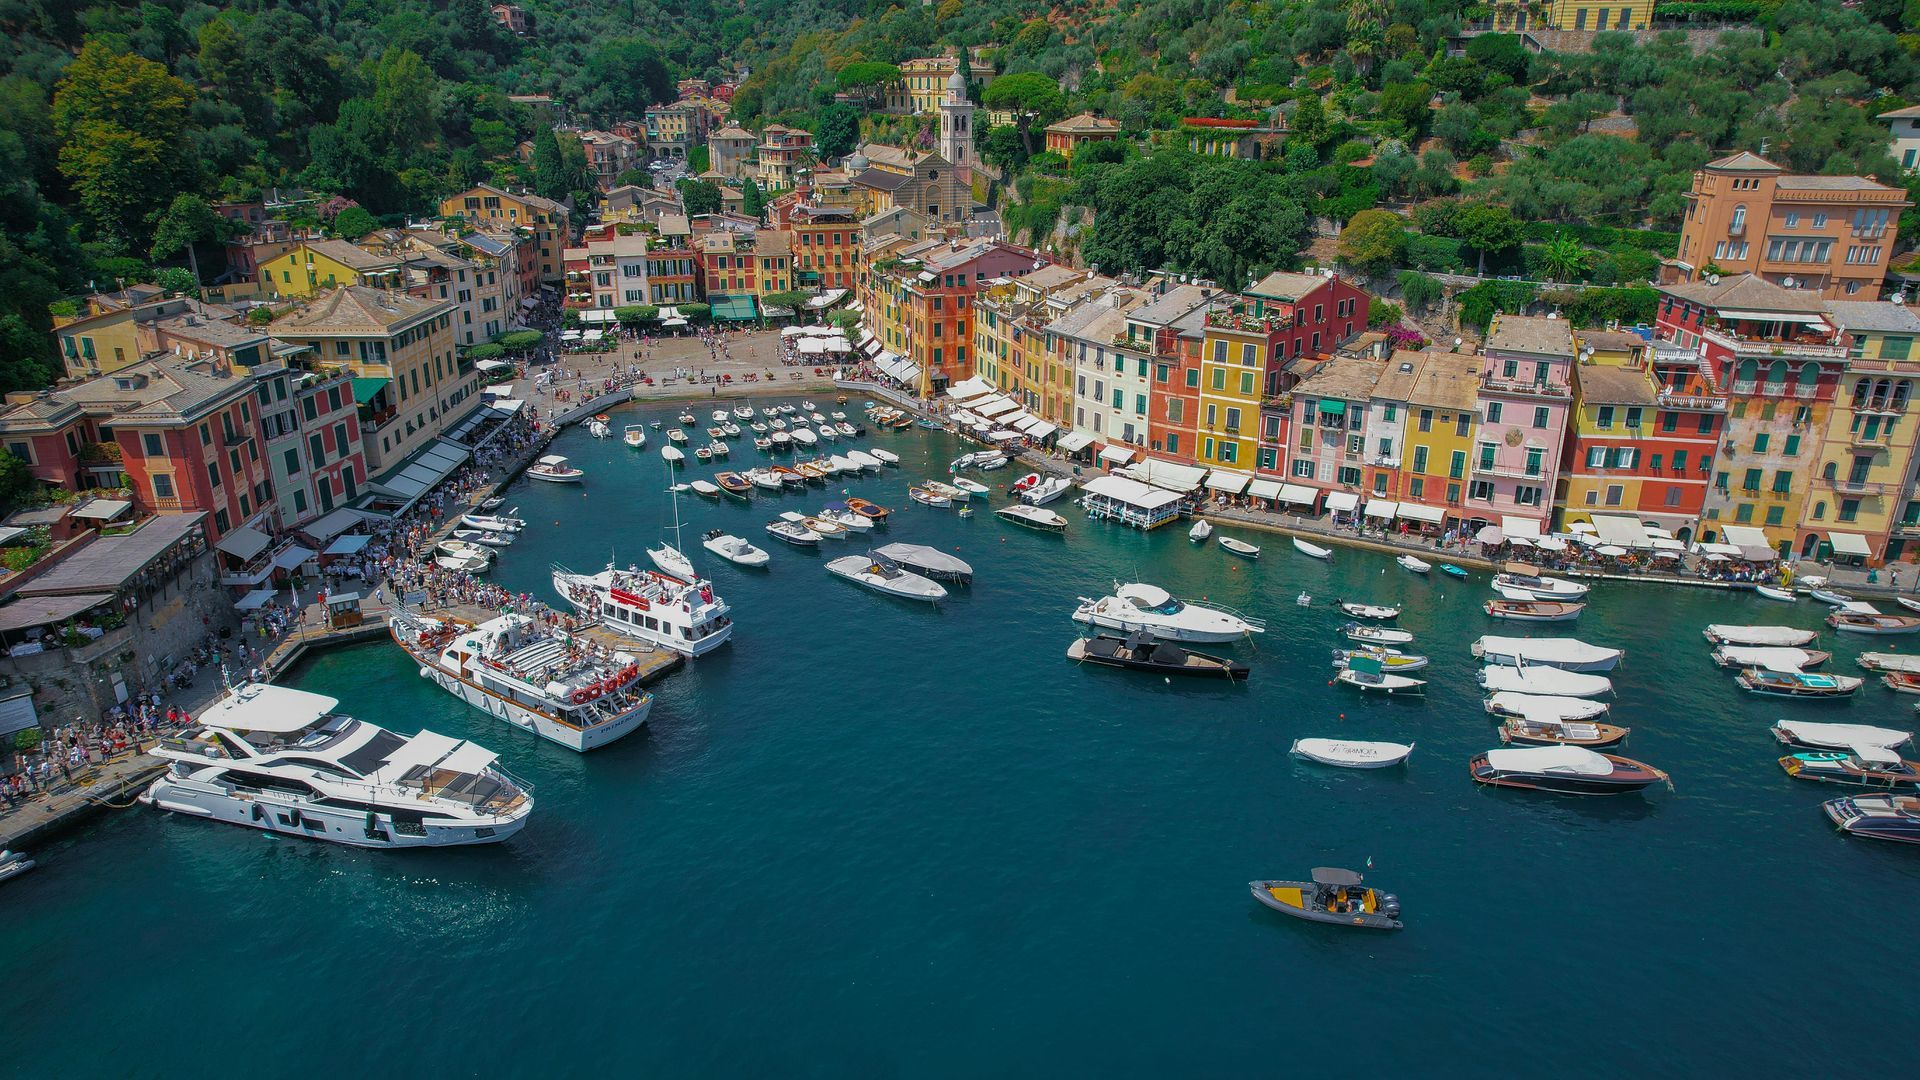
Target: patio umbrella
1550 543
1663 553
1610 549
1582 527
1586 538
1519 541
1717 557
1491 534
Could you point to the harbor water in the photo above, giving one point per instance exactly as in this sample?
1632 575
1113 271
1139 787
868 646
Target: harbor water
873 838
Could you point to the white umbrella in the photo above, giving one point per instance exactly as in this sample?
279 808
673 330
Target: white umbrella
1582 527
1586 538
1491 534
1663 553
1610 549
1717 557
1655 530
1550 543
1519 541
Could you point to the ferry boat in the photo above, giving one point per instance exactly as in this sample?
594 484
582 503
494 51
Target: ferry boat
283 761
646 605
559 686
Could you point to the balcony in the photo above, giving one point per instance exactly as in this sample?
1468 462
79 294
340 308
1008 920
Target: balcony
1909 529
1505 385
1857 487
1509 472
1247 322
1876 445
1785 347
1670 399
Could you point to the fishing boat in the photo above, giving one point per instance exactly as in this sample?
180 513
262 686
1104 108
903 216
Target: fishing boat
685 616
733 549
1729 634
946 491
1799 684
1046 491
672 455
1522 576
873 512
1418 566
285 761
793 533
1568 770
1452 571
1235 546
1136 608
1333 896
1381 612
928 498
1350 754
484 538
688 419
846 430
560 685
1375 635
1568 654
13 864
1550 731
1853 622
1770 657
1033 517
1880 817
634 435
1533 610
554 470
1548 681
1886 661
706 488
1371 675
881 574
887 457
1390 659
703 453
732 483
1507 704
790 478
1311 550
1858 766
494 523
1807 735
840 515
973 488
929 562
1143 652
677 437
1201 531
461 556
1773 592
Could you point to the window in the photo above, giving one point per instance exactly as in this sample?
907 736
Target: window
1480 489
1743 513
1419 459
1776 514
1540 416
213 474
162 486
1760 443
149 442
1679 461
1793 445
1457 467
1614 494
1705 426
1426 419
1669 421
1389 414
1303 468
1535 458
1493 412
1193 378
1751 481
1604 420
1849 509
292 461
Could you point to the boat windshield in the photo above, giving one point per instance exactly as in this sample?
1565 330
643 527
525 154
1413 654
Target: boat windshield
1168 607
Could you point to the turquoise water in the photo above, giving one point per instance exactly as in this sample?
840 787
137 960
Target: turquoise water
872 839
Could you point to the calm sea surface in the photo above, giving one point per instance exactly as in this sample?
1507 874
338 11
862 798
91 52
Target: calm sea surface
873 839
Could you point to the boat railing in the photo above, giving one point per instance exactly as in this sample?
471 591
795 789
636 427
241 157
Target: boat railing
1257 624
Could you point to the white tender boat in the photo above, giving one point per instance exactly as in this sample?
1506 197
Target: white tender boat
1830 596
598 429
672 561
1568 654
780 440
841 515
804 437
673 455
1769 657
1886 661
685 616
1510 704
1350 754
1550 681
826 530
864 460
1148 609
1374 635
1418 566
1368 611
766 479
461 556
1312 550
843 464
743 411
846 430
483 537
1367 675
1235 546
1774 592
635 435
705 487
793 533
1046 491
1730 634
929 561
1201 531
1814 736
973 488
494 523
887 457
734 549
281 760
881 574
554 470
1537 587
563 687
1032 517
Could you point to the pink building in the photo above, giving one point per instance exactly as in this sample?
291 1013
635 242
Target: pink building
1526 393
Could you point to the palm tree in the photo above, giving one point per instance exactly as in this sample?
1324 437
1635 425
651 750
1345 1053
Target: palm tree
1563 258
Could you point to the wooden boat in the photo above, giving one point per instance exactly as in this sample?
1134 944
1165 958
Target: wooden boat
1773 592
1033 517
703 453
1333 896
1143 652
677 437
1907 602
1418 566
1451 570
871 511
1369 674
1507 704
1800 684
1375 635
1861 766
1887 661
792 479
928 498
1881 817
1533 610
716 433
1901 682
1569 770
1233 546
947 491
812 470
828 530
733 484
973 488
1390 659
1382 612
1830 596
1347 754
1311 550
1853 622
1570 654
1808 735
1541 731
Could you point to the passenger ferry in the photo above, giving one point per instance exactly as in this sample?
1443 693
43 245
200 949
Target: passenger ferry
647 605
284 761
560 686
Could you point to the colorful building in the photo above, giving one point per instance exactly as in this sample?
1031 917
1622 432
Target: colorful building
1437 435
1065 137
826 246
1326 427
1866 461
1526 391
496 208
919 302
1575 15
923 82
1172 325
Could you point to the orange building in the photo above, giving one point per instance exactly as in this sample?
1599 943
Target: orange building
1066 136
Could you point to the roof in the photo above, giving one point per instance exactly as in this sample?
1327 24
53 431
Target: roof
1830 183
1603 384
210 332
1402 373
1879 316
891 155
1175 302
1611 340
732 131
1052 276
1744 162
880 179
1097 321
30 611
1287 285
1911 112
1082 124
356 309
1747 292
163 389
527 197
350 255
1535 334
1344 377
110 562
1445 381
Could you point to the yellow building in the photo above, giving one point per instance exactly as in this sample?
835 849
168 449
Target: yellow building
492 207
1010 324
1233 364
318 265
923 83
773 262
1862 494
1439 434
1595 15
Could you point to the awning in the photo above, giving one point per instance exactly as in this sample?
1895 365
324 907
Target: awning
243 543
365 389
470 758
506 406
320 530
995 406
1262 488
255 600
1231 481
826 299
966 389
1168 474
736 308
492 365
103 509
598 315
1413 511
529 303
348 545
1799 317
1521 527
1845 543
292 557
1039 429
1621 530
1075 441
1384 509
417 475
1343 501
1131 492
1116 453
1298 494
1333 408
29 611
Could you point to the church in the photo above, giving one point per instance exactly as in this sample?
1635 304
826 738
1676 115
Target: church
935 184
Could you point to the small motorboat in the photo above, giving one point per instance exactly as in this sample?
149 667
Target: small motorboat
1533 610
973 488
733 549
808 406
1907 602
1830 596
743 411
846 430
843 465
1303 600
829 433
1233 546
1451 570
757 428
786 408
1418 566
780 440
1774 592
881 574
1859 766
1522 576
1371 675
1033 517
1333 896
1901 682
1799 684
598 428
776 423
1547 731
1881 817
1143 652
1507 704
677 437
1024 483
688 419
928 498
763 445
705 488
828 530
996 459
483 537
703 453
716 432
718 449
793 479
765 479
554 470
804 437
1381 612
1729 634
1046 491
634 435
1569 770
462 556
494 523
1540 679
719 416
1771 657
871 511
13 864
1311 550
1390 659
1202 530
948 490
732 429
1348 754
1807 735
1854 622
864 460
812 470
494 503
840 515
793 533
887 457
837 414
672 455
1375 635
929 562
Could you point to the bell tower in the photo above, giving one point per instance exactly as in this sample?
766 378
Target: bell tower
956 122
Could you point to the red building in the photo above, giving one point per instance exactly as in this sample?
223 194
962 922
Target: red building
1177 318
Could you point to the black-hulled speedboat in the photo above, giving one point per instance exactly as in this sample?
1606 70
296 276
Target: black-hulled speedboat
1333 896
1569 770
1141 652
1882 817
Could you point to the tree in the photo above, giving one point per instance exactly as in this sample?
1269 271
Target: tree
838 130
753 202
1502 54
1373 241
633 315
628 75
1407 105
635 177
121 121
700 197
695 312
1487 228
353 223
520 340
1563 259
1030 96
867 79
1419 290
16 480
549 172
188 221
790 299
176 280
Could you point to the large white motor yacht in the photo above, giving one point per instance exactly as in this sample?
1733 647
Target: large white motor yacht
560 686
283 760
685 616
1149 609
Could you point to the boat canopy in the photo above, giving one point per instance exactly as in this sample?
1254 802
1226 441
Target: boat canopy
1576 760
1333 875
1874 755
1544 708
1146 595
1759 635
1843 734
554 460
1543 650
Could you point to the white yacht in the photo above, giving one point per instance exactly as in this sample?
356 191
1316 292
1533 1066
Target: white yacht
560 686
1524 586
1148 609
685 616
282 760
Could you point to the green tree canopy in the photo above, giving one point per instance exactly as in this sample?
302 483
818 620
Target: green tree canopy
700 196
121 122
1373 241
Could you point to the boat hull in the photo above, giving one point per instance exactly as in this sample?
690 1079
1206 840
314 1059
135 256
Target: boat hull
1264 891
567 735
1620 782
275 813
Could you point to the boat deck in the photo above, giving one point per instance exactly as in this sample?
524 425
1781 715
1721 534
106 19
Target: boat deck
655 664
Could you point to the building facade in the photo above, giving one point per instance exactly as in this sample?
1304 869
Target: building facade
495 208
1526 391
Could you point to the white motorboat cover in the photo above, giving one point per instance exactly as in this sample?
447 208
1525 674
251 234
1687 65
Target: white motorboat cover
1886 661
1350 753
1556 652
1572 760
1842 736
1732 634
1544 680
1772 658
1545 707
